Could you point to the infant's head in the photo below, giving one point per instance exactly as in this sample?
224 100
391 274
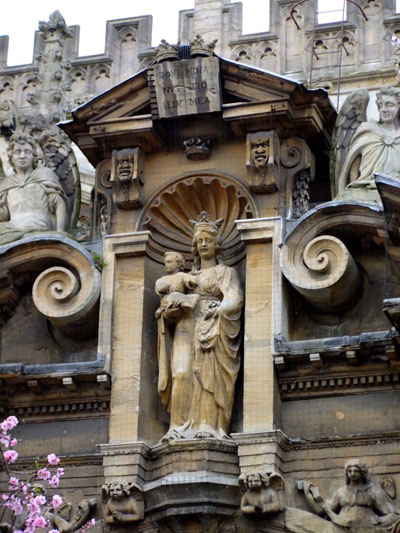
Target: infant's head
174 262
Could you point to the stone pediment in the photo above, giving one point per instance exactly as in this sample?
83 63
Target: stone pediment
138 111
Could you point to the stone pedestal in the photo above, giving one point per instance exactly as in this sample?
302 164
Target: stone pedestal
192 476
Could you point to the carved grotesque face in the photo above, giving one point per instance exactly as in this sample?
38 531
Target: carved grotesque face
254 482
116 492
353 473
124 167
206 244
259 150
22 157
388 109
172 263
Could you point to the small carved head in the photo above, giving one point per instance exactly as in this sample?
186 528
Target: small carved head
260 479
125 162
204 229
21 140
174 262
259 151
388 104
356 470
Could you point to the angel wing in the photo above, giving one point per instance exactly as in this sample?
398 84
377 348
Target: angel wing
276 481
352 113
135 491
61 159
389 486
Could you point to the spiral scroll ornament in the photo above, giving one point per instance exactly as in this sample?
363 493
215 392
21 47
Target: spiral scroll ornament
323 271
63 297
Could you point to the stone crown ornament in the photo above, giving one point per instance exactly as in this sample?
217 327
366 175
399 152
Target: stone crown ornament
204 223
196 148
198 48
167 52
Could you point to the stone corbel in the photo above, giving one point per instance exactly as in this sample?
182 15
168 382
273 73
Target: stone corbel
298 171
262 161
127 177
66 294
318 264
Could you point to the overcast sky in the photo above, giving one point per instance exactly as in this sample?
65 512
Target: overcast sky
20 19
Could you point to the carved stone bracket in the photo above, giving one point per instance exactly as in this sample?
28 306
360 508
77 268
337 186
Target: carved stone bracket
298 172
127 177
262 160
66 294
316 261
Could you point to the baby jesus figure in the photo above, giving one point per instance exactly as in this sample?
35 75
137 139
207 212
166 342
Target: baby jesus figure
173 287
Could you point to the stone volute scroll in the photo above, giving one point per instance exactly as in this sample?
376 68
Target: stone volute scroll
199 337
361 148
127 177
262 161
263 492
122 503
359 506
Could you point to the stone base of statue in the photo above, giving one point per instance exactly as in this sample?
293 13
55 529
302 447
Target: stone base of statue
192 477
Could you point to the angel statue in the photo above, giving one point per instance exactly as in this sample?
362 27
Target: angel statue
361 148
34 197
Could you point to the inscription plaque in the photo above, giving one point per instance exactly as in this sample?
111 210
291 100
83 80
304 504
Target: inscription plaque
187 87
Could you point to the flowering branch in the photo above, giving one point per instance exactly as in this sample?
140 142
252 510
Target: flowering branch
27 500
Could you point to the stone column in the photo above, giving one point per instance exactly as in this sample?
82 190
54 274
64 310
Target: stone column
128 338
259 442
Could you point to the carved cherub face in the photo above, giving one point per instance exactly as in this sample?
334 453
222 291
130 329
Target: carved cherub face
173 262
22 157
259 150
116 492
206 242
388 109
254 481
125 165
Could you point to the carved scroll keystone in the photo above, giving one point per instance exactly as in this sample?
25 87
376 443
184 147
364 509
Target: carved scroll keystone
323 271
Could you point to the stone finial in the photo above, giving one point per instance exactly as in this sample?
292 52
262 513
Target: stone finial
167 52
198 48
197 149
55 27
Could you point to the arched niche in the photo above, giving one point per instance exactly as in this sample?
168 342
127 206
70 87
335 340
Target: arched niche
168 211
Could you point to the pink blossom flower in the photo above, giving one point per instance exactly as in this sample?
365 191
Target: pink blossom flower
14 442
53 459
4 497
54 481
43 473
5 440
60 472
39 522
9 423
10 456
56 501
53 531
41 500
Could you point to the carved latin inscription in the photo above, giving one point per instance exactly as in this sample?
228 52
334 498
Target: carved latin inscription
187 87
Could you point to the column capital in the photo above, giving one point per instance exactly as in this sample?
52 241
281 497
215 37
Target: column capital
257 230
